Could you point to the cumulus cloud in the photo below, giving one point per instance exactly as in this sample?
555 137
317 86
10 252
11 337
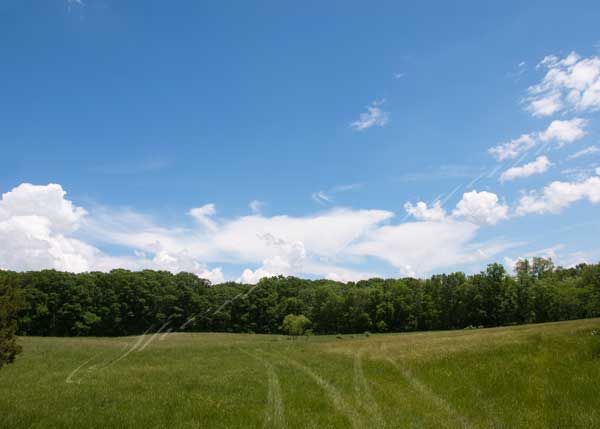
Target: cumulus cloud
373 117
31 200
421 211
545 106
513 148
289 258
561 132
34 222
570 83
558 195
565 132
481 208
37 230
183 261
540 165
418 247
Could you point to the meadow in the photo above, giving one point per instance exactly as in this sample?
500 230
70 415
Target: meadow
531 376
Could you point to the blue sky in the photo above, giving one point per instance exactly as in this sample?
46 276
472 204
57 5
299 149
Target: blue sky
319 139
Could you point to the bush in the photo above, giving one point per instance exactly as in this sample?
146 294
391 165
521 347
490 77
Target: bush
295 325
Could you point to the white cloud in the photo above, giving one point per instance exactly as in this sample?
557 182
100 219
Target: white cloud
570 83
374 116
585 152
545 106
182 261
558 195
326 197
517 72
30 243
37 227
40 228
31 200
559 256
513 148
540 165
481 208
420 211
562 132
565 131
321 197
243 240
440 245
256 206
203 216
289 259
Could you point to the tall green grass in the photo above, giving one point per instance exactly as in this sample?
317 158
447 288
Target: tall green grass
538 376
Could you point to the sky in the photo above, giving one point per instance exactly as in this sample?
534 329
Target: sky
338 139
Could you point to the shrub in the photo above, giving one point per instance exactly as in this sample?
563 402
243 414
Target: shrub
295 325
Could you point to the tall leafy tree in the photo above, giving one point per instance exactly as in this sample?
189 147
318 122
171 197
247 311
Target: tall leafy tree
11 301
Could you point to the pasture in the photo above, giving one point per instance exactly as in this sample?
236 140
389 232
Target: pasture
532 376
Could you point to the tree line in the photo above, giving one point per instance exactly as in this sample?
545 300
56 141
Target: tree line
123 302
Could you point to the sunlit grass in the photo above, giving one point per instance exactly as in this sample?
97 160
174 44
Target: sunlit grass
540 376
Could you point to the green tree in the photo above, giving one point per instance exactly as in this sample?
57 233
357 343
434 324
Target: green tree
295 325
11 302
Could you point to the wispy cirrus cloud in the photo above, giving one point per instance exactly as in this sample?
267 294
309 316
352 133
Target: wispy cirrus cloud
326 197
321 197
584 152
375 116
256 206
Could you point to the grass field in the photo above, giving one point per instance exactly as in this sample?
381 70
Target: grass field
543 376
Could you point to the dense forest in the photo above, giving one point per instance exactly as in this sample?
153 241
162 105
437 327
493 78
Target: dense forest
122 302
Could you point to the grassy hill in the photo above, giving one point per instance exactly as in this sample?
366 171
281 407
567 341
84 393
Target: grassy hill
541 376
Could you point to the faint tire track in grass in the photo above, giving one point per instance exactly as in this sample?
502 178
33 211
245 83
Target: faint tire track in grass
274 413
275 399
424 390
364 394
336 398
82 368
